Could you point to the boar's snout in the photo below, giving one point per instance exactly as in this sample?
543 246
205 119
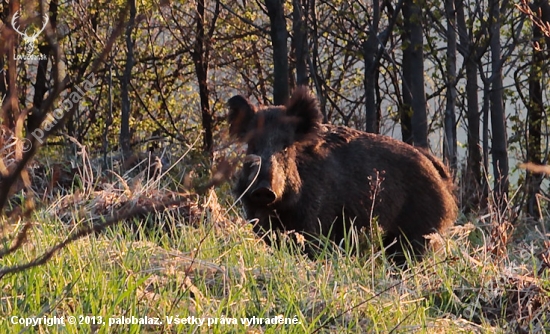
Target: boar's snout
263 194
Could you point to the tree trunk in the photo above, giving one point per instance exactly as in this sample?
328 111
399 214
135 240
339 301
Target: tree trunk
279 35
10 107
412 15
299 16
405 110
472 192
35 118
449 140
313 60
4 15
499 144
370 51
535 109
125 135
200 57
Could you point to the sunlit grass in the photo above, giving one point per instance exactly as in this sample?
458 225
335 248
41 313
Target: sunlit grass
216 276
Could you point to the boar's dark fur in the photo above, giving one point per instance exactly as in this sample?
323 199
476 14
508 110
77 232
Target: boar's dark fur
314 178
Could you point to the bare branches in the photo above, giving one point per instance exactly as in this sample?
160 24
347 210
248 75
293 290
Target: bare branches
540 17
58 86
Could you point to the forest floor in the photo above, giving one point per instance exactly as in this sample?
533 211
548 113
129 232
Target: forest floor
199 268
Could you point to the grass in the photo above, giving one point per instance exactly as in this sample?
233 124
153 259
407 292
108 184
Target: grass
211 267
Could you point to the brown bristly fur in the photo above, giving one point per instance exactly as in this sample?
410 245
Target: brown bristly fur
315 178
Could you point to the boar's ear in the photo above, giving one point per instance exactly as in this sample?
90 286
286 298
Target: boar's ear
303 107
241 113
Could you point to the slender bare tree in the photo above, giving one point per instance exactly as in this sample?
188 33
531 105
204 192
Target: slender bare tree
279 36
370 53
499 144
300 41
413 64
450 140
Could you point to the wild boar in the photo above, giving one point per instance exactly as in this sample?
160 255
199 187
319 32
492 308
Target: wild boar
319 179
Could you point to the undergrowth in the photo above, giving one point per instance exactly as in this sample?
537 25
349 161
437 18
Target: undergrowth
201 263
